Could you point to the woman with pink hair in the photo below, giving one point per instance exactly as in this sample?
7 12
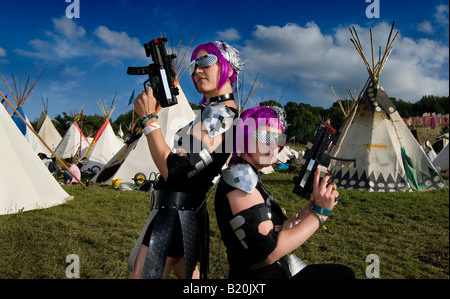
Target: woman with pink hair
177 231
257 234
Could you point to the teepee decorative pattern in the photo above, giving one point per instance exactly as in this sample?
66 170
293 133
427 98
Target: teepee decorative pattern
387 158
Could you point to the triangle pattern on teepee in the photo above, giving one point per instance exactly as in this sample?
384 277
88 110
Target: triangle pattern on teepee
376 138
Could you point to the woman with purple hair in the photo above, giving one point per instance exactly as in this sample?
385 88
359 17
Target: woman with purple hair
176 233
257 234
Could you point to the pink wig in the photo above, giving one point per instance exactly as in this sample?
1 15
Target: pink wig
249 121
211 48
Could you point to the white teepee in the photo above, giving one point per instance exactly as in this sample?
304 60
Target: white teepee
20 96
441 160
103 147
71 142
25 182
387 158
47 131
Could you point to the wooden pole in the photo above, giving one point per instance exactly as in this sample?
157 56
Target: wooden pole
43 142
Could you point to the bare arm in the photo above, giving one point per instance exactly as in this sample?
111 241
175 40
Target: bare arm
146 104
295 232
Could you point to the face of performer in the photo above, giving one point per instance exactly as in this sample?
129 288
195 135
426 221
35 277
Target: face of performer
207 78
263 146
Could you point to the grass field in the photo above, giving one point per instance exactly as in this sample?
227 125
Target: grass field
409 232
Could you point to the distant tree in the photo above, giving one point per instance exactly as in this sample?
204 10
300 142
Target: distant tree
405 109
430 104
91 124
193 106
271 103
62 123
302 119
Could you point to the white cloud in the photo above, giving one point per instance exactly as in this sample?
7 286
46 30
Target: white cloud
118 44
60 86
308 61
2 52
68 28
229 35
441 15
68 40
425 27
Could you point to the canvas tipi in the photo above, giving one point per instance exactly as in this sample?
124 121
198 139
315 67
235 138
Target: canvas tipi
386 157
104 145
20 96
25 182
46 129
71 142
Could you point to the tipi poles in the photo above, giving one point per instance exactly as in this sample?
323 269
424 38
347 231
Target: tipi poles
374 70
43 142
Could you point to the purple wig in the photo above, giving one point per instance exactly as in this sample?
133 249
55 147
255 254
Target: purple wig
211 48
250 120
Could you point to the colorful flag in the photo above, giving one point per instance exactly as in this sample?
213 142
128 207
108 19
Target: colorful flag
131 101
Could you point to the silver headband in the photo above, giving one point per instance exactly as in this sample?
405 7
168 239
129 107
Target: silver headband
231 55
281 114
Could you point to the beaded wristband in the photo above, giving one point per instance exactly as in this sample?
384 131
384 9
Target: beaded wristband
320 210
151 127
145 119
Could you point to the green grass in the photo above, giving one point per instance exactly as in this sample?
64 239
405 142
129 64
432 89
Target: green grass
408 231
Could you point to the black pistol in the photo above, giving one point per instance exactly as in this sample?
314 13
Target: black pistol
160 73
317 153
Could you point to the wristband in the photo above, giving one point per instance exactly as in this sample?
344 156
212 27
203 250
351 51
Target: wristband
145 119
320 210
322 222
151 127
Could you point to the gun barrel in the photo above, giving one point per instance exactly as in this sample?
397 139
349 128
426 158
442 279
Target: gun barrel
140 70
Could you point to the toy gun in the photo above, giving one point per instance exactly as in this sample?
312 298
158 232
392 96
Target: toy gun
316 154
160 73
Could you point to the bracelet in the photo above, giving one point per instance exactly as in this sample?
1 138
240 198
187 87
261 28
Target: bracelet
297 219
145 119
320 210
322 222
151 127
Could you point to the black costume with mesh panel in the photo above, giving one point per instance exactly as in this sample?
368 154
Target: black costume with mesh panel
179 222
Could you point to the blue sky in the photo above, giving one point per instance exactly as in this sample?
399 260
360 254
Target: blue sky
299 48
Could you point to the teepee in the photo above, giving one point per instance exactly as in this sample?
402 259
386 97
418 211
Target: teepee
71 142
386 157
25 182
104 145
20 96
47 130
135 156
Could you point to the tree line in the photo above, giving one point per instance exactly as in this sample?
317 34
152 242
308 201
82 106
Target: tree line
302 118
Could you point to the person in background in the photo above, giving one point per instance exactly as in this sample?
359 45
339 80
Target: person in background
68 178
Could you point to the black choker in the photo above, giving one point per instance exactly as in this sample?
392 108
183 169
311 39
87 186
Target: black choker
222 98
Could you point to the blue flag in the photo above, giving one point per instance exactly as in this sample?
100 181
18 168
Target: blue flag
131 101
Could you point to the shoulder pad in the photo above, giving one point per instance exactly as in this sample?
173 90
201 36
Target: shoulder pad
241 176
217 118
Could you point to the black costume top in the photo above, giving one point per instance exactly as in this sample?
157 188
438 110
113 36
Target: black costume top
247 261
179 220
